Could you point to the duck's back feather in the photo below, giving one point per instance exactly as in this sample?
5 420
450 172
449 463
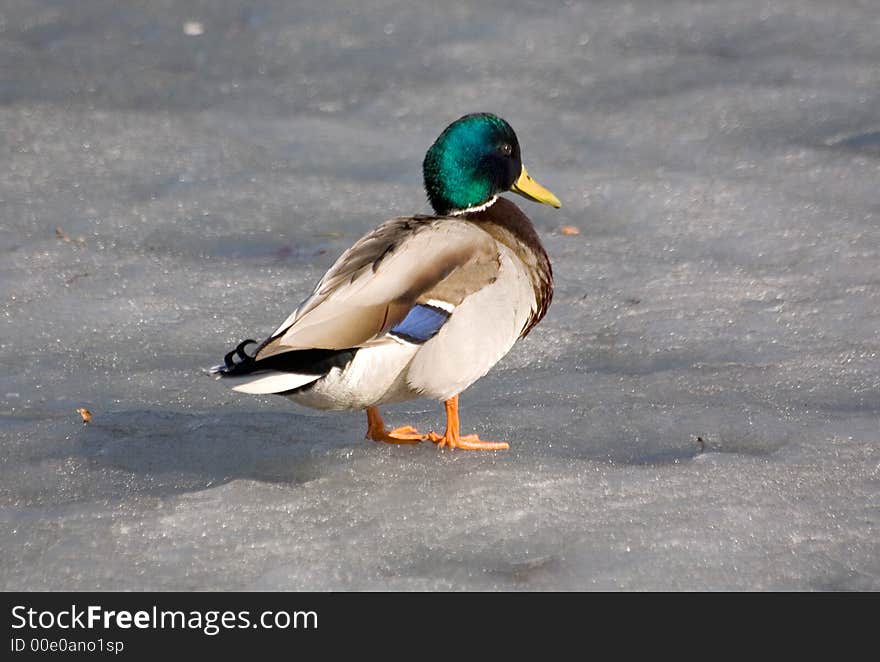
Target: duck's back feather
373 286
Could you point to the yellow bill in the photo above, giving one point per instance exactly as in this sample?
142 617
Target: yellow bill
529 188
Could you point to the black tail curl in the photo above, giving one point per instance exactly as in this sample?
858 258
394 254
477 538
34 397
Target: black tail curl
245 364
303 361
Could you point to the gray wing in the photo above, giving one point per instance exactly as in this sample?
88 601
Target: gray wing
375 283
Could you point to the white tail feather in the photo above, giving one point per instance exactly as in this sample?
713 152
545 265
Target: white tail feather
269 382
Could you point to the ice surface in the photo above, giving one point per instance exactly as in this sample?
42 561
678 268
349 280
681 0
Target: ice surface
720 160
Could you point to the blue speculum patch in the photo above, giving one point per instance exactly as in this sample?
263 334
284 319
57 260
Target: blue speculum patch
421 323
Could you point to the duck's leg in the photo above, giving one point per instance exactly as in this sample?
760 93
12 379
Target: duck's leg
377 432
453 438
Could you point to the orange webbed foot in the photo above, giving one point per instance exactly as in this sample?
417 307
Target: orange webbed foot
376 431
453 438
469 442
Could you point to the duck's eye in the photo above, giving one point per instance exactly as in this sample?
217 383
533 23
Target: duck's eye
505 149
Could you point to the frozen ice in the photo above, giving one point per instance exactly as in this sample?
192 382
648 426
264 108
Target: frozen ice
700 409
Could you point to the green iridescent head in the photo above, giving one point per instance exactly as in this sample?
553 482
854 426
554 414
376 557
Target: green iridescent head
474 159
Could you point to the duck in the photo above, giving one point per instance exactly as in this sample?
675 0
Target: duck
422 306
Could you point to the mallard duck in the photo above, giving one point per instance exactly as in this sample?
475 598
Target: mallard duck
422 306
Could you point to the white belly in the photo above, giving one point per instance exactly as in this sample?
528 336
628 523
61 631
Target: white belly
375 376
